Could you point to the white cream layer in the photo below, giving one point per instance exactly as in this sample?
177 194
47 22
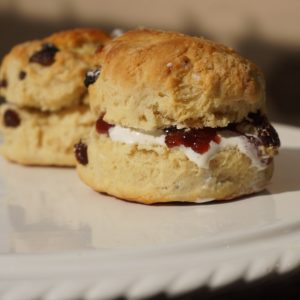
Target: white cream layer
228 140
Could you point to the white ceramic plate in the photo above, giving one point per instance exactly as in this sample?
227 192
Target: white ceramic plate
60 240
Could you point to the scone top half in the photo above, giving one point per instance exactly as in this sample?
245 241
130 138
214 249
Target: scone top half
44 108
47 74
153 79
180 118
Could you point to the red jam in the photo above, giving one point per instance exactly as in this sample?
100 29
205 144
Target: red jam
197 139
102 126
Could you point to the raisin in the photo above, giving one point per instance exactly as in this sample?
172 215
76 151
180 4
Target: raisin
22 75
3 83
45 56
81 155
265 131
11 118
102 126
99 48
2 100
268 135
91 76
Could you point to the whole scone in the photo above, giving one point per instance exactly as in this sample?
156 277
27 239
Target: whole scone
47 109
180 118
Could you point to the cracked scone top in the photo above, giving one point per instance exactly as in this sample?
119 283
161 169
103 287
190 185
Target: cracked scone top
153 79
48 74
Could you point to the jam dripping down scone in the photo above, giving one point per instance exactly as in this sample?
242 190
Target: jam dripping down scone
44 109
180 118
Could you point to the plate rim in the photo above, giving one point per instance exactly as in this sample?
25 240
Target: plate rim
173 269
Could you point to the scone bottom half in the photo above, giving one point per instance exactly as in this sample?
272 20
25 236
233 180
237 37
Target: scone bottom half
36 138
44 103
179 165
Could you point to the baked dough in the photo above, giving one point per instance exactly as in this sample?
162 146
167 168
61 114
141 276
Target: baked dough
45 138
154 173
153 84
57 85
154 79
42 82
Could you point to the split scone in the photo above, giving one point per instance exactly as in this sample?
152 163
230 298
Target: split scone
180 118
44 109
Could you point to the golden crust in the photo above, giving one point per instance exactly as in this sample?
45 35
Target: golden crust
154 173
153 79
76 38
45 138
53 87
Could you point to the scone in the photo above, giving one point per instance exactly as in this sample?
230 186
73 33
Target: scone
180 118
44 109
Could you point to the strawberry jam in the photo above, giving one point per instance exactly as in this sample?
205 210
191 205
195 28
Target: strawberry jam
196 138
255 127
102 126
